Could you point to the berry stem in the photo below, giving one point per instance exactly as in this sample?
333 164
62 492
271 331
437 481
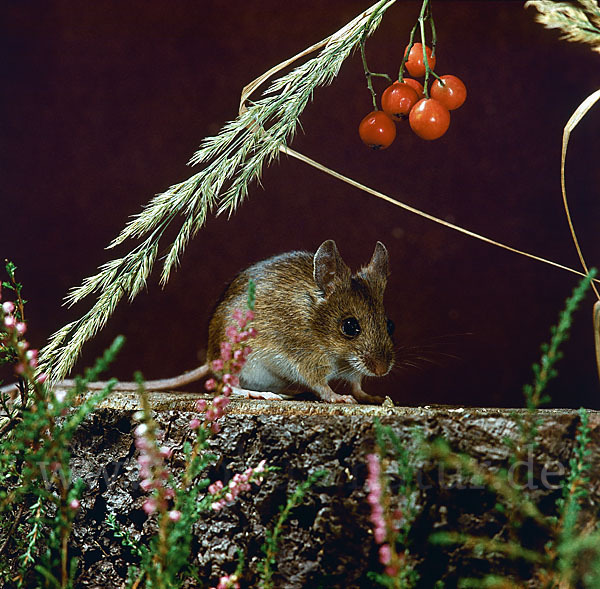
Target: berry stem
411 42
424 15
369 74
433 32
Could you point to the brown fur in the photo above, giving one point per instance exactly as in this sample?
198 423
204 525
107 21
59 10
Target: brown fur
301 300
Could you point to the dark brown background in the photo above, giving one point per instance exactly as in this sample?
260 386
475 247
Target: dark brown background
105 102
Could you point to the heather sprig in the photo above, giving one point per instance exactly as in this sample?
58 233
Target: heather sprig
234 353
271 545
392 516
554 566
36 487
544 372
224 495
178 503
154 474
574 491
16 288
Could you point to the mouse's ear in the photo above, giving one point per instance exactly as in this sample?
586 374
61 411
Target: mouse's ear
378 269
329 270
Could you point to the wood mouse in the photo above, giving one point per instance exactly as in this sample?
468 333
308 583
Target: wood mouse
315 322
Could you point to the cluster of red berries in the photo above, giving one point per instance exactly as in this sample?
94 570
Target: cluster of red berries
428 115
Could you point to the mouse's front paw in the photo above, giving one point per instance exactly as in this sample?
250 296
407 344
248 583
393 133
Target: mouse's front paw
331 397
344 399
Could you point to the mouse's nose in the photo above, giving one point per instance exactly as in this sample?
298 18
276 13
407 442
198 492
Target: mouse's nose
378 366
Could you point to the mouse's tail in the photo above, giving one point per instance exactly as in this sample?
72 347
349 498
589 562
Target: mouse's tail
161 384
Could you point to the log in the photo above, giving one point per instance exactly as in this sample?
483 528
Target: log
328 540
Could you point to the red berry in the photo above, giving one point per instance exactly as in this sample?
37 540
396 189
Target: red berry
397 100
452 94
429 119
415 64
416 85
377 130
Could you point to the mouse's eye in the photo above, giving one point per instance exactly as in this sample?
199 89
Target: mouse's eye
390 327
350 327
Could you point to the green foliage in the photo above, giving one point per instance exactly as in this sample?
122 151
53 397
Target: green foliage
251 294
545 370
270 547
16 288
567 540
571 542
123 535
8 352
38 498
390 447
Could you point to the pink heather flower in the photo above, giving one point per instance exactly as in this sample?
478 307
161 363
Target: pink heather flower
166 452
20 368
216 505
218 364
74 504
194 423
215 487
379 535
249 315
391 571
9 321
169 493
42 377
231 379
261 466
150 505
144 460
226 348
210 384
226 390
174 515
201 405
228 582
21 328
215 427
231 333
140 430
8 307
142 444
220 402
146 485
385 554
